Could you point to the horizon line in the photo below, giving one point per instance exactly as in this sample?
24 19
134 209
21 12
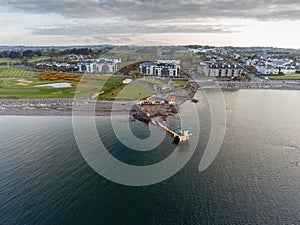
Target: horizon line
140 45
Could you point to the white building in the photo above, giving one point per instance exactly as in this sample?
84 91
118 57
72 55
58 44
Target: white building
99 65
265 70
280 63
162 67
202 69
220 70
288 70
74 57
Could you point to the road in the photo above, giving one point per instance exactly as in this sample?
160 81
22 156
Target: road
254 77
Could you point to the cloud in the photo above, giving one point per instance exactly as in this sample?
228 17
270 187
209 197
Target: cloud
161 10
130 28
124 20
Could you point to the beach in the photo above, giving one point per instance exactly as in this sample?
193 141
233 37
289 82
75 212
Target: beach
61 107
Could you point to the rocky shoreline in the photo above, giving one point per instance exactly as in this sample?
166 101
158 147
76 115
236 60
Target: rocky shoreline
61 107
260 85
159 105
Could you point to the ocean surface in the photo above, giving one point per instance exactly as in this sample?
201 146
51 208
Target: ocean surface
255 178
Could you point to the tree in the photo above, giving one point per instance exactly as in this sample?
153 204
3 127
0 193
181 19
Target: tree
24 62
28 54
38 53
4 54
14 55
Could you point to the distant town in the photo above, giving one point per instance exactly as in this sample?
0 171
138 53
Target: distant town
56 72
212 61
45 80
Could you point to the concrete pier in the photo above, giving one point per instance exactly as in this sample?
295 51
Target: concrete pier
185 133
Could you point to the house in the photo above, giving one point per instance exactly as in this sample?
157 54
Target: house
265 70
74 57
288 70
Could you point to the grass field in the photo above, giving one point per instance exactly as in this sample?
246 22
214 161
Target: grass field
85 90
21 83
25 87
286 77
127 92
36 59
156 81
150 81
13 88
179 83
12 72
111 83
9 61
16 61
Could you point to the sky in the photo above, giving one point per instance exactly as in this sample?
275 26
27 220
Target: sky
272 23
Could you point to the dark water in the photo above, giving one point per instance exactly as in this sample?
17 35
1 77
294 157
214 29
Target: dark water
255 178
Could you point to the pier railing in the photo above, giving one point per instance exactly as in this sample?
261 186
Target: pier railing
181 137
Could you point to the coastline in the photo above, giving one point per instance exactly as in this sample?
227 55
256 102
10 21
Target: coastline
260 85
80 107
61 107
85 107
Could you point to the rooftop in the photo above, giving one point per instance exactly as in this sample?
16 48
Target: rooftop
224 66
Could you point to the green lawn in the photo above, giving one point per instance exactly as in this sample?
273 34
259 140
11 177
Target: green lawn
12 72
18 61
150 81
157 81
85 90
12 88
179 83
112 83
37 59
127 92
9 61
286 77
